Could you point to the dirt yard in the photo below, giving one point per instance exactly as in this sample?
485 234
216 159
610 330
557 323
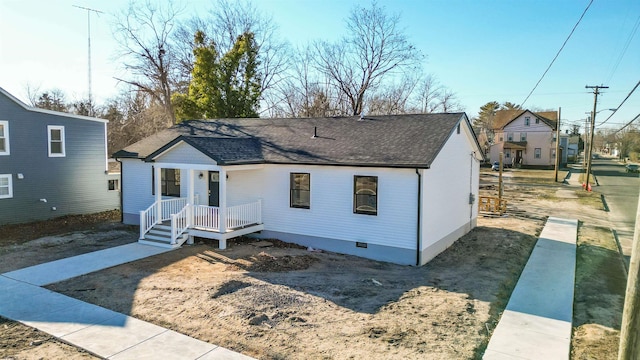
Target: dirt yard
284 302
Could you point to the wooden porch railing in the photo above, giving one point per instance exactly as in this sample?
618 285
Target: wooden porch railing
492 205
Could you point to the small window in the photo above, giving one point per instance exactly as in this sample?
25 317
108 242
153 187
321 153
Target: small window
527 121
56 141
6 187
523 136
365 195
510 137
169 182
114 185
300 190
537 153
458 129
507 154
537 121
4 138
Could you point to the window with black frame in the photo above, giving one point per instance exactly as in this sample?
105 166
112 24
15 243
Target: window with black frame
365 195
169 182
300 190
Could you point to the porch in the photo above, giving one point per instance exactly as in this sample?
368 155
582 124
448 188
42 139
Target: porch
170 223
203 212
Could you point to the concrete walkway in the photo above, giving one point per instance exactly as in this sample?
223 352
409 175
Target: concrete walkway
103 332
536 323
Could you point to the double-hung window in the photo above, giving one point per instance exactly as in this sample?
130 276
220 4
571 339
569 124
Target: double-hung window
365 195
169 182
6 187
4 137
527 121
523 136
537 153
509 136
300 190
56 141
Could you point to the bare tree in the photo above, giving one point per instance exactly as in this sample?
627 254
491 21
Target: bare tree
143 33
429 91
394 98
449 101
374 49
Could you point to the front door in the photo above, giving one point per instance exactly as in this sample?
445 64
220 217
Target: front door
519 157
214 188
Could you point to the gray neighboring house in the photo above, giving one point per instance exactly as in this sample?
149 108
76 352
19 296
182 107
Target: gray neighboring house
52 164
398 188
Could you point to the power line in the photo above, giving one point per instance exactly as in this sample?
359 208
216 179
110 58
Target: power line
559 51
624 48
623 101
629 123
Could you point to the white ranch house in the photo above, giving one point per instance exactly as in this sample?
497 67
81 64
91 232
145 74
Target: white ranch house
392 188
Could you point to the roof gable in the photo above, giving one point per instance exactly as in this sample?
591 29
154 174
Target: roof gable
45 111
384 141
505 117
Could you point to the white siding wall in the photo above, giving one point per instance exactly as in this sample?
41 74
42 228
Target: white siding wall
136 186
184 153
331 213
446 188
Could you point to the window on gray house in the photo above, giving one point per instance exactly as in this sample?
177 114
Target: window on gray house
169 182
56 141
300 190
527 121
510 137
365 195
114 185
537 153
4 138
523 136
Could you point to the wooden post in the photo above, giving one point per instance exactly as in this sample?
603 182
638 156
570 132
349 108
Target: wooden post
557 144
500 183
630 327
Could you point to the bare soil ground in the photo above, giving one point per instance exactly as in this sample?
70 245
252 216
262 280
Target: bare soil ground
284 302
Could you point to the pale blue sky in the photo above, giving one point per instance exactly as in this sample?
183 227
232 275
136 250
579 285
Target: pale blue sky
482 50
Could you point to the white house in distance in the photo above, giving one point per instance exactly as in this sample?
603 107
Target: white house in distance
527 138
393 188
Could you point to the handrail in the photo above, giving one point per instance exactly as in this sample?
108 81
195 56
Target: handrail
246 214
151 216
206 217
180 223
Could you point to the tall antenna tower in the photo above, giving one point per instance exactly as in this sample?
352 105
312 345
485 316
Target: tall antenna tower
89 51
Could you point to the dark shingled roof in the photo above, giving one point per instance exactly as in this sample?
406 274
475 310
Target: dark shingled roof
385 141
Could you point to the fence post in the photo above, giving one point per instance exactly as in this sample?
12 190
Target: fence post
173 229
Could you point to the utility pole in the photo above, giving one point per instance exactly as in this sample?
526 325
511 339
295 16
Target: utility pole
596 91
558 143
89 51
630 328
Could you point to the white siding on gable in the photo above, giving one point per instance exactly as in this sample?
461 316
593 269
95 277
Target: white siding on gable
331 212
183 153
447 184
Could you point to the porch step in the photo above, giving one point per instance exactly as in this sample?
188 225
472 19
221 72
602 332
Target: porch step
160 235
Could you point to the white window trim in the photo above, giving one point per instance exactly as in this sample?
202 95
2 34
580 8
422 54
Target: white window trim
62 138
7 151
10 178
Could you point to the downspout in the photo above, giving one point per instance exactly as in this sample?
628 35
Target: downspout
418 228
121 192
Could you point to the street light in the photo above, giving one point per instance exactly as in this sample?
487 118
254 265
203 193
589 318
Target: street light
593 123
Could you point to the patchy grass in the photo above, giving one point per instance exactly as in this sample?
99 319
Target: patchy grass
599 295
590 198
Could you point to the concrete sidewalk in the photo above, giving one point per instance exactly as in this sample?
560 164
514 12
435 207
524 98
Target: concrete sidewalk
103 332
536 323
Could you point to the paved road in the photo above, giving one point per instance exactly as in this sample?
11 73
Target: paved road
621 193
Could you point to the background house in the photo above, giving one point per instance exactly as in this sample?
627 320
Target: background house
51 164
527 138
393 188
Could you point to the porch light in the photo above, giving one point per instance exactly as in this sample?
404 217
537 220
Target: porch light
200 175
